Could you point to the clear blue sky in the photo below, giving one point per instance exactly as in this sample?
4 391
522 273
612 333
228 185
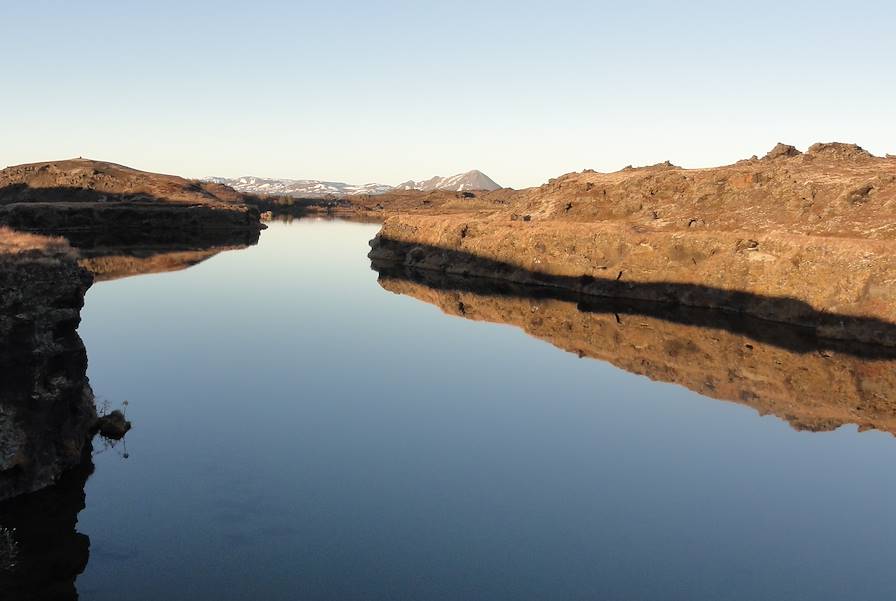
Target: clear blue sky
387 91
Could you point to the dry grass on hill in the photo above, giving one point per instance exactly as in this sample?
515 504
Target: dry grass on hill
14 242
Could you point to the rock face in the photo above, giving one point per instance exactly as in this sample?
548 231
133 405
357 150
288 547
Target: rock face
814 384
46 404
807 239
782 151
65 196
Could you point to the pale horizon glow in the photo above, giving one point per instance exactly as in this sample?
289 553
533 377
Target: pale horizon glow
385 92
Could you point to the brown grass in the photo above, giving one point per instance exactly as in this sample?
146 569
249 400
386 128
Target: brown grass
14 242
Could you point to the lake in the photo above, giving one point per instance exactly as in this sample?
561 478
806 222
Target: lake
303 432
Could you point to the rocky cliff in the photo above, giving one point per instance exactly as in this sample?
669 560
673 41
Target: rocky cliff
46 404
803 238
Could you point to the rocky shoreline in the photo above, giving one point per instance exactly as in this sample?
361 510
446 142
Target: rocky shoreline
116 222
805 239
377 207
72 218
47 407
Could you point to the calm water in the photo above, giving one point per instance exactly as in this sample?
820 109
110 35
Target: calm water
302 433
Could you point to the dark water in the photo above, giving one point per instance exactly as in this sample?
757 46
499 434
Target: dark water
302 433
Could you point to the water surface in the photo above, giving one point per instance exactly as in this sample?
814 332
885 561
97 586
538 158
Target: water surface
302 433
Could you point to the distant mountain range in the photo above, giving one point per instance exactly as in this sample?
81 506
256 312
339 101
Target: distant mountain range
472 180
297 187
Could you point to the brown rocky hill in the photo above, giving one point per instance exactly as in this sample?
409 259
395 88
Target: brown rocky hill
430 201
80 193
805 238
376 207
830 190
77 179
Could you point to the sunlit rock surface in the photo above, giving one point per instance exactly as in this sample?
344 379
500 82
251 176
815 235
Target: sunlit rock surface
801 238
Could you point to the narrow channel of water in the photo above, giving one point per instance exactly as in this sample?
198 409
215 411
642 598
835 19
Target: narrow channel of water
303 432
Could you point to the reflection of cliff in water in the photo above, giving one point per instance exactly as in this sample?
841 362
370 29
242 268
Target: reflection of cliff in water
812 383
41 552
46 403
115 263
110 256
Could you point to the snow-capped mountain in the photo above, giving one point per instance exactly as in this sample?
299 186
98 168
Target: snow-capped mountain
471 180
309 188
297 187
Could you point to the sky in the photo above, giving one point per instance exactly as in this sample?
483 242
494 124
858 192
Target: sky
373 91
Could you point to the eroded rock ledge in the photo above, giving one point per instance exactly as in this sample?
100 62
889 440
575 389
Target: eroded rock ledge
78 194
46 404
802 238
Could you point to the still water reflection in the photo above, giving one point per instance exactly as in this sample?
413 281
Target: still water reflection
301 432
815 384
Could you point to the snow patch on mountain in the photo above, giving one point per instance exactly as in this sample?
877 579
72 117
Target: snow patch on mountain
462 182
297 187
310 188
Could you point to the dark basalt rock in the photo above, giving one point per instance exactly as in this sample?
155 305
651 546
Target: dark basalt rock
46 403
782 151
113 426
